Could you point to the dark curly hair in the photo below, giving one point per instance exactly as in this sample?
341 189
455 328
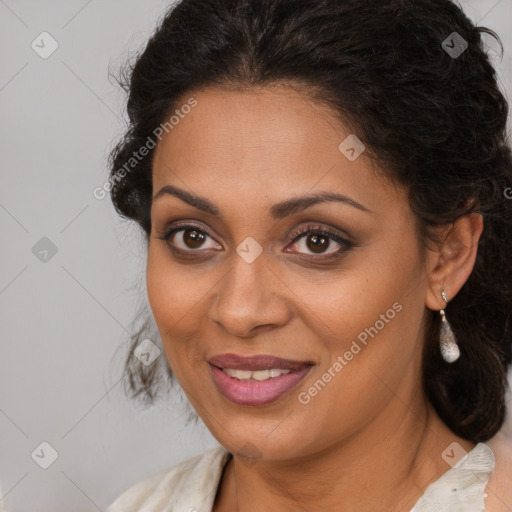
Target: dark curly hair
434 121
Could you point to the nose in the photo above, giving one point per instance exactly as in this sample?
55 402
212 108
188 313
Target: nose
250 299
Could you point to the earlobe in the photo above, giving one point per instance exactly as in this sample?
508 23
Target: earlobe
454 260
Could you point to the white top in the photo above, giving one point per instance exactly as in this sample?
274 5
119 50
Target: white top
191 486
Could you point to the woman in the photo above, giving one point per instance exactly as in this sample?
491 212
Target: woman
325 190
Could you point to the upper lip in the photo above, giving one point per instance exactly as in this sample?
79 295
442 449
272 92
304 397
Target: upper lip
256 362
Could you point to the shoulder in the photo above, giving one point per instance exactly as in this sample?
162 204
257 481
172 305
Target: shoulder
499 487
179 487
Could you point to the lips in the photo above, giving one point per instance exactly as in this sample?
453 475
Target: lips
256 392
256 362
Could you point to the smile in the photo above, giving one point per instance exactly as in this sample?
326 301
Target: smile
258 375
256 380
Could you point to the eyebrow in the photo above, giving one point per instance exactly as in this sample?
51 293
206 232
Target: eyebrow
277 211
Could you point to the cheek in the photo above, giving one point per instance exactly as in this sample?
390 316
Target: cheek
168 298
177 296
380 341
367 316
173 291
338 306
161 287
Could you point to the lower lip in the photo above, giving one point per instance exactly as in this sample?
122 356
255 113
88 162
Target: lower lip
252 392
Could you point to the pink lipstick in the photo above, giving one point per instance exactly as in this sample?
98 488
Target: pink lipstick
256 380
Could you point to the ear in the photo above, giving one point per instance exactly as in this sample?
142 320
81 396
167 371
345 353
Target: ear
451 264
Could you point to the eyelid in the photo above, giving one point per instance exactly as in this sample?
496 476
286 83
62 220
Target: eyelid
315 226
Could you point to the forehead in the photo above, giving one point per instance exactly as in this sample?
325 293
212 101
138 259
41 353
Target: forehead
269 123
267 143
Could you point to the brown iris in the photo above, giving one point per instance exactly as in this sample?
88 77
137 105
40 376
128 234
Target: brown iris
317 243
193 238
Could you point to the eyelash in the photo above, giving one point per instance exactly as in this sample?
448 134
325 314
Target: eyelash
301 233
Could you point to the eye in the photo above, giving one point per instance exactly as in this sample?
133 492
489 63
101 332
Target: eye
318 240
187 238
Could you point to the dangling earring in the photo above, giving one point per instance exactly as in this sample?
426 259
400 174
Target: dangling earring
447 342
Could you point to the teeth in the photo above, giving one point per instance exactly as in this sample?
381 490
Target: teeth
257 375
239 374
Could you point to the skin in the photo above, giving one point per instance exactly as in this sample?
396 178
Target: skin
369 439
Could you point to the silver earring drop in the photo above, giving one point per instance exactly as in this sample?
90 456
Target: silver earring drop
447 342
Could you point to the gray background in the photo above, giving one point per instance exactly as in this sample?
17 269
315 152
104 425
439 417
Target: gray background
64 319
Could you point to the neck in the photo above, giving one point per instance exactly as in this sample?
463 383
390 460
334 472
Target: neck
386 466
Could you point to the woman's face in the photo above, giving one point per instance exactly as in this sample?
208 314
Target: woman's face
241 277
